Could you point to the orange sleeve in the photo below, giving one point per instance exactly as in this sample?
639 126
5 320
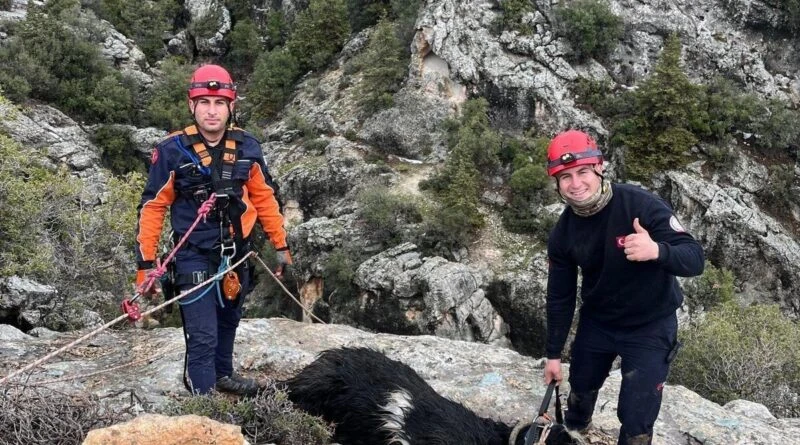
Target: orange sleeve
151 220
262 197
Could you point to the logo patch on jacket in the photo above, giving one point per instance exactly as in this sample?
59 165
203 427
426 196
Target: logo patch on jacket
154 156
676 225
621 242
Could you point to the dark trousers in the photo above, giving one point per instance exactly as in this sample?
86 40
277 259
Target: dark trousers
643 351
209 326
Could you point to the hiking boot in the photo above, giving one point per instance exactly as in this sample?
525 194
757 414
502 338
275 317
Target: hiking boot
236 384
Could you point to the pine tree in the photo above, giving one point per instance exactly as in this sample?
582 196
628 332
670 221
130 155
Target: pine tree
384 63
319 33
667 117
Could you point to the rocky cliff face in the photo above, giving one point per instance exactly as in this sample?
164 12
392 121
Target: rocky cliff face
495 293
457 53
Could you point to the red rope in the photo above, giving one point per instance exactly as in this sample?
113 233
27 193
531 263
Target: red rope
156 273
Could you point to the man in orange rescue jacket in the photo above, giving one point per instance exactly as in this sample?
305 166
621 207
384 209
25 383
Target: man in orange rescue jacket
210 157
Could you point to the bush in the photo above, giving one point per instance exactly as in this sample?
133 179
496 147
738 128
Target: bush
513 13
384 65
364 13
207 25
6 5
42 415
319 33
775 125
62 67
474 136
66 242
712 289
118 153
271 84
269 417
245 46
474 148
166 107
748 353
667 113
780 193
340 269
387 216
590 27
144 22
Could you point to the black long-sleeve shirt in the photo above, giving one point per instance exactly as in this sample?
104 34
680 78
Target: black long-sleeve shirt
615 291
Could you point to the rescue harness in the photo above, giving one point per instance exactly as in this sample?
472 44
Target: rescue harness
229 206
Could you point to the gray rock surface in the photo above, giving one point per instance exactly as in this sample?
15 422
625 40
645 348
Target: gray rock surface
494 382
432 295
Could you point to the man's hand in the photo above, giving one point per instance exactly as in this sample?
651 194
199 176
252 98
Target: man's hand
142 277
552 371
284 259
639 246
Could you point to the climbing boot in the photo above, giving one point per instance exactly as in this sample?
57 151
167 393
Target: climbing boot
236 384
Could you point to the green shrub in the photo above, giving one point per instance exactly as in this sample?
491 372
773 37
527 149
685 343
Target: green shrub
5 5
244 47
713 288
728 108
63 67
474 136
530 187
775 125
668 111
144 22
52 234
296 121
513 13
384 65
277 30
748 353
387 216
474 148
779 194
240 9
166 106
319 33
118 153
591 28
207 25
268 417
271 84
365 13
340 269
29 227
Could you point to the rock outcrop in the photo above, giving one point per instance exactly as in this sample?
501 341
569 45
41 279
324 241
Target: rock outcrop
494 382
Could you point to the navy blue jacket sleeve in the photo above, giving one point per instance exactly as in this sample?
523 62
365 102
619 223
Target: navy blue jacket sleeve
562 285
678 252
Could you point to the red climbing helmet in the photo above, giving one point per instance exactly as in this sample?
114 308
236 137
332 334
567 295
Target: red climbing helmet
571 148
212 80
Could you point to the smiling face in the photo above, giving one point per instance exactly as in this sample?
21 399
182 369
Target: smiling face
211 114
579 183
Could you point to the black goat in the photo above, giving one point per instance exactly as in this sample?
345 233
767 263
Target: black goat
374 400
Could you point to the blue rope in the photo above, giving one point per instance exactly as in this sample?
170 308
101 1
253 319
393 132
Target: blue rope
186 303
222 266
203 169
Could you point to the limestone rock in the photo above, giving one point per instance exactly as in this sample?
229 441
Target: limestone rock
156 429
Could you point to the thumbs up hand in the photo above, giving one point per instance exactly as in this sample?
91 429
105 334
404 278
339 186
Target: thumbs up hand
639 246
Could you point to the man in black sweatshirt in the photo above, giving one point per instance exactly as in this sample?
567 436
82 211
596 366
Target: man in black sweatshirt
629 247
